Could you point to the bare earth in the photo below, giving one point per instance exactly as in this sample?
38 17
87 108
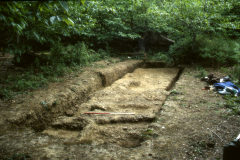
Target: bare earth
183 122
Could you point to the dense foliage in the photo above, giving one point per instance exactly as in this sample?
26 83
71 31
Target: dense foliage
36 25
71 33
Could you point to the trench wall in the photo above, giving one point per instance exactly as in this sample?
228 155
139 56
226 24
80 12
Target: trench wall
65 98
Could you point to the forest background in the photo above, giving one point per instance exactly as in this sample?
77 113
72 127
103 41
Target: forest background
71 34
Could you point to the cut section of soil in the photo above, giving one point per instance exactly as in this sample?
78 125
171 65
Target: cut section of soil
142 92
184 123
38 109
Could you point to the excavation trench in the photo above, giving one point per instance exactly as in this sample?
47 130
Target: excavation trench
141 92
130 87
175 79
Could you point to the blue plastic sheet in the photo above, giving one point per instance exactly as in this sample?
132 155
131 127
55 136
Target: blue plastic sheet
226 84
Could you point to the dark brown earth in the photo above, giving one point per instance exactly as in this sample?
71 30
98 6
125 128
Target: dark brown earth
183 122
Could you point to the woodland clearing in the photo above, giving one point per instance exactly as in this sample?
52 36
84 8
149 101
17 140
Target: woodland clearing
174 118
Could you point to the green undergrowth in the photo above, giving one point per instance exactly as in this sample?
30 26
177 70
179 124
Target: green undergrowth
233 72
32 78
53 66
233 104
49 67
201 72
214 50
160 56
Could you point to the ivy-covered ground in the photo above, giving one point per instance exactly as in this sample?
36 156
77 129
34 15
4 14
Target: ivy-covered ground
183 122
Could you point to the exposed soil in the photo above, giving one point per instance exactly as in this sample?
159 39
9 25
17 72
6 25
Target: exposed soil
142 92
183 122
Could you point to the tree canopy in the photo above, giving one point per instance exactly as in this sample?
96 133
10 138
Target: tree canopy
28 24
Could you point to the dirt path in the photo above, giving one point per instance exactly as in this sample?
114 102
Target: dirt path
184 123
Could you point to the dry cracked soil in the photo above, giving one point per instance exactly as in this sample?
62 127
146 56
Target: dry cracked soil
172 117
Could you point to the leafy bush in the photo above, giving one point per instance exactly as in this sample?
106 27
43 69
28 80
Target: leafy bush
180 50
79 54
234 72
216 50
103 54
49 66
220 50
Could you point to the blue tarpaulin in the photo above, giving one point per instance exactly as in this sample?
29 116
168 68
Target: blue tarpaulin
225 85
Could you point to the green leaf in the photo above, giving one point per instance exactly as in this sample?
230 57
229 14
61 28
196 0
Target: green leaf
19 27
11 19
83 2
29 12
71 21
39 17
64 5
47 5
53 19
18 59
24 24
59 18
46 22
36 35
14 24
68 21
3 17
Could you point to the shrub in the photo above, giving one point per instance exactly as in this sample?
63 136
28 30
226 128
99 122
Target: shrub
180 50
234 72
48 66
215 50
79 54
219 50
